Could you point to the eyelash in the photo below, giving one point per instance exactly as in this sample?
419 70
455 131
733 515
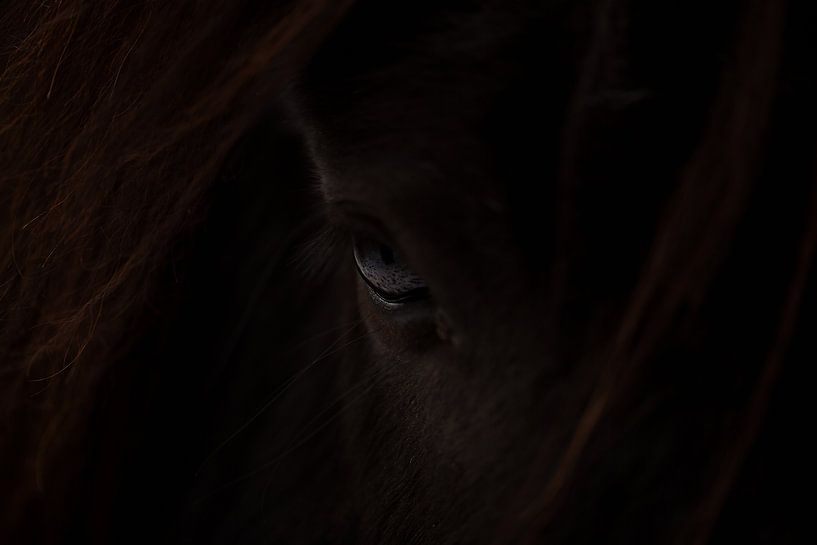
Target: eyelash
385 272
389 280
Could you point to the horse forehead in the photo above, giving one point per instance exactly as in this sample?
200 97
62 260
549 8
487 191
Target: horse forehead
399 139
410 135
396 173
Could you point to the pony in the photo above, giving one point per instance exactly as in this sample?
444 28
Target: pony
442 272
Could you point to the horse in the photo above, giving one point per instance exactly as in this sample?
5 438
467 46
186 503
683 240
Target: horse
443 272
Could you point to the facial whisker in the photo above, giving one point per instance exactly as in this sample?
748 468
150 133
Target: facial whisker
328 352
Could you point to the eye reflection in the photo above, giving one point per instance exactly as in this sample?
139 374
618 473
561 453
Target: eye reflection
385 272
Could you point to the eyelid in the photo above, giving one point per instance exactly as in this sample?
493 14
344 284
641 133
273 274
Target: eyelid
419 291
356 218
417 294
360 222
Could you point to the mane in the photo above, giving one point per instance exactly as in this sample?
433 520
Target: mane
116 118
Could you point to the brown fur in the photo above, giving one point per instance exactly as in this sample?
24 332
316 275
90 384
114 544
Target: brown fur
118 122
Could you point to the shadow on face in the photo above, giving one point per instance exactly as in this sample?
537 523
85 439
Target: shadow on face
496 176
451 318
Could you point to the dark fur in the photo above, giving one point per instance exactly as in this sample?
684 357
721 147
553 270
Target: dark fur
613 203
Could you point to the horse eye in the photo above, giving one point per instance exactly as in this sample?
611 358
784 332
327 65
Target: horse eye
385 272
